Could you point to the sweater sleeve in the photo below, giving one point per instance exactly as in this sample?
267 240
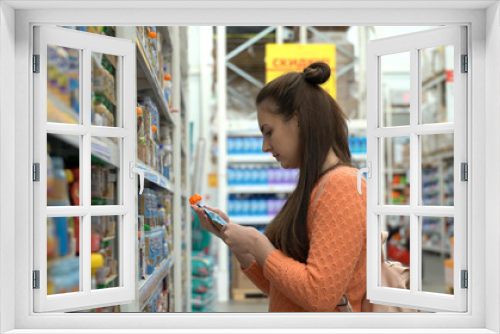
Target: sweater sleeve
337 238
256 274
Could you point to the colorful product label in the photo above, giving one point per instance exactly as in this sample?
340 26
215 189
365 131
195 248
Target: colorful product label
215 219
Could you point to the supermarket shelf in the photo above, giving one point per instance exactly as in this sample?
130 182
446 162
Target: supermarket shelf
244 133
395 171
153 83
435 249
53 262
184 193
261 189
155 177
58 112
149 285
433 81
268 158
110 279
250 158
108 239
359 156
434 156
101 147
252 220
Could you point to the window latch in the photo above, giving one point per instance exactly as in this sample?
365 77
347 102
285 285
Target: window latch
367 170
134 170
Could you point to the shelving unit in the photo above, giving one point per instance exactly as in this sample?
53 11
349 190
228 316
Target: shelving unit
173 271
261 189
252 220
436 191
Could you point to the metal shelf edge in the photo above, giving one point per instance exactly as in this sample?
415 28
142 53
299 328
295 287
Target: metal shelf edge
154 279
155 177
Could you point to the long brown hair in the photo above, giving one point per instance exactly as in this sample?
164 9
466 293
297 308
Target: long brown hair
322 126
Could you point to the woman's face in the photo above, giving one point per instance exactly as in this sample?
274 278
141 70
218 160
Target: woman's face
280 138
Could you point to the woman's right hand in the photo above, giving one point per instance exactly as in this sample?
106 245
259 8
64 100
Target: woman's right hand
205 221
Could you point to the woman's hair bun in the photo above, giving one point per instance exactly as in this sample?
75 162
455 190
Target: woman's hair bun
317 73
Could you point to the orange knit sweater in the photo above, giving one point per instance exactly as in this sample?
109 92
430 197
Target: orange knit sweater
337 256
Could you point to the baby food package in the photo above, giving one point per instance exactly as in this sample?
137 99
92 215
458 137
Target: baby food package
215 219
202 265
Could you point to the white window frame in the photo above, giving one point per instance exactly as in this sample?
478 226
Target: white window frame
412 44
483 121
124 132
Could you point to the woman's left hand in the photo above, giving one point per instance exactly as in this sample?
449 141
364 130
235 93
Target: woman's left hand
239 238
244 239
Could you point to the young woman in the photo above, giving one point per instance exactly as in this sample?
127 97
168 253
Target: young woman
314 250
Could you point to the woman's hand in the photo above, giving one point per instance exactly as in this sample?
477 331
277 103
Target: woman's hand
247 240
205 221
239 239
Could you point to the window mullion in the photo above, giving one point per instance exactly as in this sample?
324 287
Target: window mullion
415 190
109 210
86 84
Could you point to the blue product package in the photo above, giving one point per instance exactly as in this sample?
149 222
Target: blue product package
237 207
254 207
231 176
238 145
230 146
215 219
263 176
262 211
247 145
247 176
245 207
238 177
254 176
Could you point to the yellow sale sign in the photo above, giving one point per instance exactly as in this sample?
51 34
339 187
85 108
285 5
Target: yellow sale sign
284 58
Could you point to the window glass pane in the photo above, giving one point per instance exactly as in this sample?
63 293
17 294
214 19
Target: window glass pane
397 246
63 250
105 248
105 100
63 85
437 254
437 104
395 91
395 163
105 171
437 169
63 170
